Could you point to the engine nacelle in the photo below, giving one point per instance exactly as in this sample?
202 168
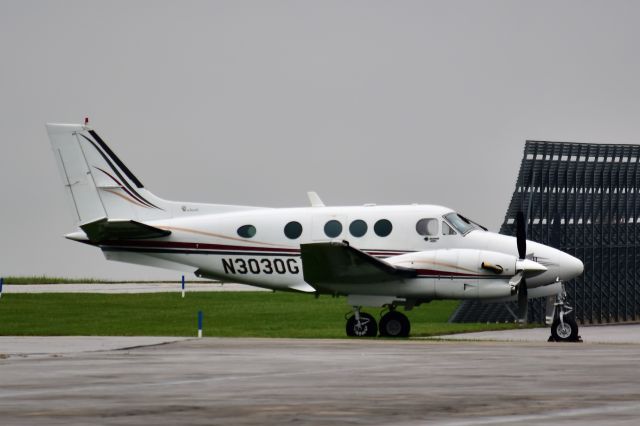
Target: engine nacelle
463 273
459 262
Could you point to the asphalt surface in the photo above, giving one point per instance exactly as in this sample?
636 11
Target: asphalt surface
33 345
619 333
287 381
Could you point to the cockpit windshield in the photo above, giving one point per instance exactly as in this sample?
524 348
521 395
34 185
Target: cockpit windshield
462 224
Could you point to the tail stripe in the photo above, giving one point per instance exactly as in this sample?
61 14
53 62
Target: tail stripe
116 159
124 197
132 194
115 170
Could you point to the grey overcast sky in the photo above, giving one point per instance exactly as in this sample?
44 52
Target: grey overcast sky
256 102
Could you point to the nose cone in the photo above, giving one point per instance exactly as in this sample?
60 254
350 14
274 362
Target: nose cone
570 267
530 267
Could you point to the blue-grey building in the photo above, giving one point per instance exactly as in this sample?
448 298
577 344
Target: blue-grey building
583 199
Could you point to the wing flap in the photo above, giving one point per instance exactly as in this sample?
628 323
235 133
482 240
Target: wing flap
339 263
113 230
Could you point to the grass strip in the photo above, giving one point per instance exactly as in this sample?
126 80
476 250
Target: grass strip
229 314
43 279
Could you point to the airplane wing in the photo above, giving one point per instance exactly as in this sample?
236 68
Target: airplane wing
339 263
112 230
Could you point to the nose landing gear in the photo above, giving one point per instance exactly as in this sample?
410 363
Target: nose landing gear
564 327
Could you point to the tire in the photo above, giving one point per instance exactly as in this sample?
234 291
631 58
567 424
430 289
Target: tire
566 333
367 328
394 324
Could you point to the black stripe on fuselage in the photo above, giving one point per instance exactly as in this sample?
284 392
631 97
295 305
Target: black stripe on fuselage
116 159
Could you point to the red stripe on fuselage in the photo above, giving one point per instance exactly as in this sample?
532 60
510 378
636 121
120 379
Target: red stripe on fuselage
195 246
189 245
449 273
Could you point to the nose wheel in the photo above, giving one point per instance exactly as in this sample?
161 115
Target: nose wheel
564 327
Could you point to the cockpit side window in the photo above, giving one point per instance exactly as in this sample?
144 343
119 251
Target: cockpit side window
461 223
447 229
427 227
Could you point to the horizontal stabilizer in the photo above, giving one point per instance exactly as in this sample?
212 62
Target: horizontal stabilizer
339 263
113 230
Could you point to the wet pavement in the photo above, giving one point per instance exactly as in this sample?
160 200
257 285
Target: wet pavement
237 381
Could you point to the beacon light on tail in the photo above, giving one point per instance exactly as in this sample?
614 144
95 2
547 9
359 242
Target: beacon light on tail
377 256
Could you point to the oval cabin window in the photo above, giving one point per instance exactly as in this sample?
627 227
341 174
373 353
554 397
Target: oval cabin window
382 228
247 231
358 228
293 230
333 228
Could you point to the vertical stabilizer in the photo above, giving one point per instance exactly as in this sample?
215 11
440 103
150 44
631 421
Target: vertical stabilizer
97 182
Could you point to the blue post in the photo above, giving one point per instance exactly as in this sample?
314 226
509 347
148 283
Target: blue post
199 324
183 286
1 283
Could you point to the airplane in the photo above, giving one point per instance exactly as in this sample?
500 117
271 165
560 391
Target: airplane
377 256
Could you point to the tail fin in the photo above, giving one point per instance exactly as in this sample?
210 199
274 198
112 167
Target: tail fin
98 184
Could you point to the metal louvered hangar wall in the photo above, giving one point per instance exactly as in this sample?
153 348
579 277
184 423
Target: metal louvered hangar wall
582 199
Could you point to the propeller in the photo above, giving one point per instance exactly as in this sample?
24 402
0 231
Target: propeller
518 280
524 266
521 235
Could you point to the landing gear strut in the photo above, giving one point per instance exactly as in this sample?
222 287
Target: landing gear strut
564 327
361 324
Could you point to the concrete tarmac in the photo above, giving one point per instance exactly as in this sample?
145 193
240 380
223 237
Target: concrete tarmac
286 381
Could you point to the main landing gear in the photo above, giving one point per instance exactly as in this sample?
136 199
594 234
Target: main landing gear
361 324
564 327
392 324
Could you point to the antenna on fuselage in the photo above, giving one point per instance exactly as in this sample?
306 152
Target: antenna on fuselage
314 199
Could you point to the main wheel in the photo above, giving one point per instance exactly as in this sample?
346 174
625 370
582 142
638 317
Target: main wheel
394 324
366 328
564 332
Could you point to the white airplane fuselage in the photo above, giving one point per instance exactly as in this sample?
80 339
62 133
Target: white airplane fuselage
450 264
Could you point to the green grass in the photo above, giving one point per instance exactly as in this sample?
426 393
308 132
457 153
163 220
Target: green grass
242 314
43 279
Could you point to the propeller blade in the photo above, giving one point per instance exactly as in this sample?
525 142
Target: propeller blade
556 230
515 280
521 235
531 192
523 300
528 267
